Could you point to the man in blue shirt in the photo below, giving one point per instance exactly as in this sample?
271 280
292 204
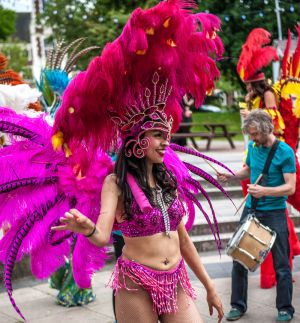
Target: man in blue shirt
270 210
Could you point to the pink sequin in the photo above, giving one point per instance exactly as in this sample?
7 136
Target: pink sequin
161 285
149 223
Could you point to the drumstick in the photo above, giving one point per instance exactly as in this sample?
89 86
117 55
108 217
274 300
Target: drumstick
209 164
245 198
214 168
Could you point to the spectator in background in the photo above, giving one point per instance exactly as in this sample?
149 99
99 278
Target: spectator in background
186 104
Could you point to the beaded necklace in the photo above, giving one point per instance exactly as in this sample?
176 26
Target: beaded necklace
161 203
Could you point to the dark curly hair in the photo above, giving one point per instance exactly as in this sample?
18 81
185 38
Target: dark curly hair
137 167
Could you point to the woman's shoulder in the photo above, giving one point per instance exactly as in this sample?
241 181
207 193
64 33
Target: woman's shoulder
111 182
112 177
270 99
269 93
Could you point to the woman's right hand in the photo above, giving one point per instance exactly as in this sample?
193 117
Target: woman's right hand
75 221
249 96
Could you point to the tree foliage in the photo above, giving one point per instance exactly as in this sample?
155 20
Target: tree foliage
239 17
101 21
7 23
17 55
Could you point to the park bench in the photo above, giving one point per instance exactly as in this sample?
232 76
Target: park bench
214 130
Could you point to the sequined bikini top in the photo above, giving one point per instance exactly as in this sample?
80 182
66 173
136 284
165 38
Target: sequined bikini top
146 219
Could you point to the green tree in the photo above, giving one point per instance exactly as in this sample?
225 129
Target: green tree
7 23
100 21
17 55
239 17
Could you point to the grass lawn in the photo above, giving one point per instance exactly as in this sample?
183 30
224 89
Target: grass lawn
232 119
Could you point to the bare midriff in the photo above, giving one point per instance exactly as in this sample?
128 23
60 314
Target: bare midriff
157 251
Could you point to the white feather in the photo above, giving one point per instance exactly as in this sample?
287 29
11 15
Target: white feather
18 97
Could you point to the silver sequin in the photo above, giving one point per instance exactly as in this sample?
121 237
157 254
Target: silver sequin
161 203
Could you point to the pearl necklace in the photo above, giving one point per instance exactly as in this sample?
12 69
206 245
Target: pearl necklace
161 203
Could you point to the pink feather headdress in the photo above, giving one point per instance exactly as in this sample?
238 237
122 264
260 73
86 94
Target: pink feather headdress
135 85
162 46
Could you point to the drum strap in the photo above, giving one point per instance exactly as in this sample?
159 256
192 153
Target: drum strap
265 171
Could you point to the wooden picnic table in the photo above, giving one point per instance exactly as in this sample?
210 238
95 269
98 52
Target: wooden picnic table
214 130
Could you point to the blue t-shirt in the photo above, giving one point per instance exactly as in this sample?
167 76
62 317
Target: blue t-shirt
282 162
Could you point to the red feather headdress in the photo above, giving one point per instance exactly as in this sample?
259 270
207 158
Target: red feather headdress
255 55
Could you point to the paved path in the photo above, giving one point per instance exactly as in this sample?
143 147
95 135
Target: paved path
37 300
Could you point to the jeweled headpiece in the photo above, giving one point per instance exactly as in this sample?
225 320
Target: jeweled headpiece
139 80
256 55
146 114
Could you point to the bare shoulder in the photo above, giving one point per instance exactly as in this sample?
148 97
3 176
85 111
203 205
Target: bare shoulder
269 94
111 178
270 99
110 183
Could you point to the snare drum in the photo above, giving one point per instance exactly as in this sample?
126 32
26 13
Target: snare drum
251 243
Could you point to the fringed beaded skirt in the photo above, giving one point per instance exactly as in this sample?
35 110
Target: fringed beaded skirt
161 285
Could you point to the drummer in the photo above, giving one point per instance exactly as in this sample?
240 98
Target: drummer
271 193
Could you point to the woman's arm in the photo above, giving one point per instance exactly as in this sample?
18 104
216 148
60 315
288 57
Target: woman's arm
109 201
99 233
270 100
190 255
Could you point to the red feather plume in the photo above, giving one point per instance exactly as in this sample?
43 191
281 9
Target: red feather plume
255 55
296 56
285 65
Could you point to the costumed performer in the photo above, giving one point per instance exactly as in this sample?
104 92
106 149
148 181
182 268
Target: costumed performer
128 95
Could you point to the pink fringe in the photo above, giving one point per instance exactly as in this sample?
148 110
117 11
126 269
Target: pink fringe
161 285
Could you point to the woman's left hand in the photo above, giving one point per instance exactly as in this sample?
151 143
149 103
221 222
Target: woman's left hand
214 301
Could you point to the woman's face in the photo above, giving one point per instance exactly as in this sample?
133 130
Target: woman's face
159 141
249 87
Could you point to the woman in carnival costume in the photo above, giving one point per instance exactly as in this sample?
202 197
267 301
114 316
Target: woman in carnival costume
281 101
128 99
